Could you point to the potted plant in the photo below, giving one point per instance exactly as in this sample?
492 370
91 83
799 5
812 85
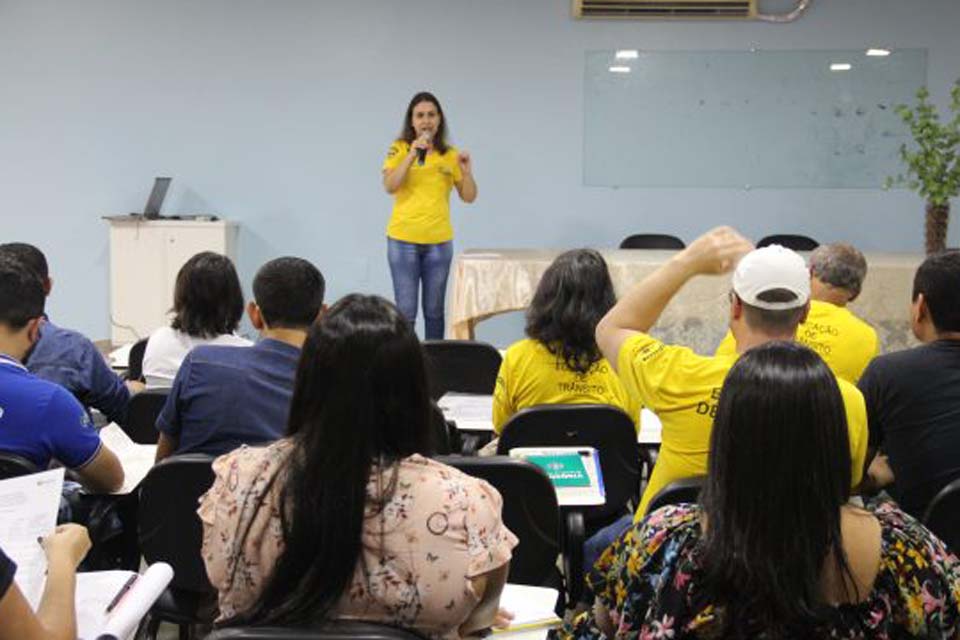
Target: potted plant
933 167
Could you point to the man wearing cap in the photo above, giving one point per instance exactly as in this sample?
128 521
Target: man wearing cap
845 342
770 297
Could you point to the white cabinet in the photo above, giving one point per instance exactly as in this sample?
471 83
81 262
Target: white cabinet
145 256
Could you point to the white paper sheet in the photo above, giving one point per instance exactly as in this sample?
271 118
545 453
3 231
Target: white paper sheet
119 358
97 589
136 459
28 510
650 428
471 412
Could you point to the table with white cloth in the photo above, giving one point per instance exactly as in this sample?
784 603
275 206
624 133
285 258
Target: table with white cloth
488 282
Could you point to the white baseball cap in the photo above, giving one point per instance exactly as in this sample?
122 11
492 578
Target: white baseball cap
769 268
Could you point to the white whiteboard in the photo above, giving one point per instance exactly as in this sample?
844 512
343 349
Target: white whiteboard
746 118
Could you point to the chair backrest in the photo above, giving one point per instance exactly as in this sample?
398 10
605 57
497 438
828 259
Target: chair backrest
652 241
604 427
943 515
790 241
339 630
530 511
465 366
168 526
135 360
678 492
142 412
13 466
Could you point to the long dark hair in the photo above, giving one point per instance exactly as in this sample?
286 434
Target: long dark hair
360 403
573 294
207 298
408 134
779 471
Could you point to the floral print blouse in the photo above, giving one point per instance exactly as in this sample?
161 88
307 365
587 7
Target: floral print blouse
441 528
648 580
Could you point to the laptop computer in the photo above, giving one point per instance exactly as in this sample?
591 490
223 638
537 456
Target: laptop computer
155 201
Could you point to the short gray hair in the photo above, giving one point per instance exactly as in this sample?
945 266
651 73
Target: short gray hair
840 265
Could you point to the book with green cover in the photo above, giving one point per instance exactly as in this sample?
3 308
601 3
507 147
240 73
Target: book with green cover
564 470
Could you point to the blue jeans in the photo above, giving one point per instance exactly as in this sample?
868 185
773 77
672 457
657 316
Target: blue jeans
412 263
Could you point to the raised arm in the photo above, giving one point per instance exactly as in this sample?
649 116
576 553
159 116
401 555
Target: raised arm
467 186
717 251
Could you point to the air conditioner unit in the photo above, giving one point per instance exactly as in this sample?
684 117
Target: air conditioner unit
666 9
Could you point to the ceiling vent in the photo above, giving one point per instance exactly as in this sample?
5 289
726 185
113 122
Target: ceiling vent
666 9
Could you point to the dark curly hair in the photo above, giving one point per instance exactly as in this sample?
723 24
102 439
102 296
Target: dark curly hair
207 298
573 294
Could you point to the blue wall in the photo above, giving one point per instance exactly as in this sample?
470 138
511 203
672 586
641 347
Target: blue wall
276 113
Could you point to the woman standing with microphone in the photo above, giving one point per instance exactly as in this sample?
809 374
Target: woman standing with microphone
419 171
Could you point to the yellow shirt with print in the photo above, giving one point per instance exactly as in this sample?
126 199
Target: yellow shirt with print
531 375
421 208
845 342
683 388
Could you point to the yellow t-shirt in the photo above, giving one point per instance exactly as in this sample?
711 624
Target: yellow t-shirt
845 342
531 375
421 208
682 388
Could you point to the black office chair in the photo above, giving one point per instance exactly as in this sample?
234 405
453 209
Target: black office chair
677 492
652 241
142 412
135 360
339 630
530 511
604 427
790 241
170 531
14 466
446 438
943 515
464 366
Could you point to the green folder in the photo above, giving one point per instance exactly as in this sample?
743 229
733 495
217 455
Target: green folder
564 470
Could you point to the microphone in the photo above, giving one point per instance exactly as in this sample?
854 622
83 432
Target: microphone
422 153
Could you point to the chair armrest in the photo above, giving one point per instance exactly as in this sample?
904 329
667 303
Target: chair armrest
574 534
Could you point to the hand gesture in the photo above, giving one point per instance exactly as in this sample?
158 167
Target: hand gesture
717 251
69 541
466 164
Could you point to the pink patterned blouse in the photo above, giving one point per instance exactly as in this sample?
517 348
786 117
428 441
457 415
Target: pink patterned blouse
440 529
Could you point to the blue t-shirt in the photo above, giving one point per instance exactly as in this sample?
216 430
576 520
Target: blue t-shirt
71 360
223 397
40 420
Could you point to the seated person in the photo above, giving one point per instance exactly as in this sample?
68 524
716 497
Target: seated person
845 342
347 517
559 362
774 549
771 289
913 396
39 420
55 618
207 307
224 396
69 358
